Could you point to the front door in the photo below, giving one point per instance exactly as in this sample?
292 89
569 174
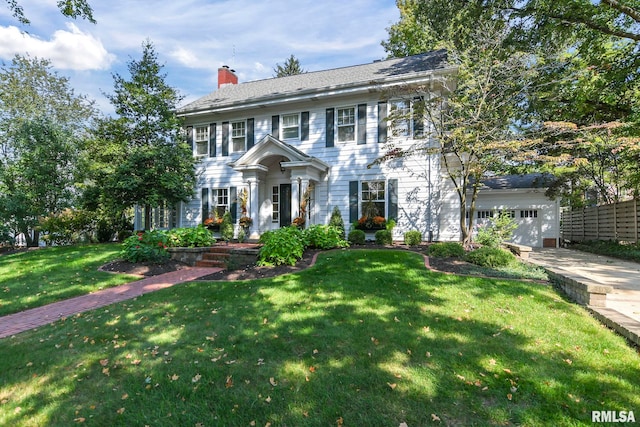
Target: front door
285 205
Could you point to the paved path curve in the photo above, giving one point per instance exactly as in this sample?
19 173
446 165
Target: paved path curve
40 316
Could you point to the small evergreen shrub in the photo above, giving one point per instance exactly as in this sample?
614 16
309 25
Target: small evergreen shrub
499 229
412 238
190 237
324 237
446 250
282 246
384 237
356 237
337 221
145 246
490 257
226 227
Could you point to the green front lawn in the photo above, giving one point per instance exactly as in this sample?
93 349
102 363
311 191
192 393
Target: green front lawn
37 277
364 338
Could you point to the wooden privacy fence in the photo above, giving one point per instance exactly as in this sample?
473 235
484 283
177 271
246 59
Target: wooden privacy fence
617 221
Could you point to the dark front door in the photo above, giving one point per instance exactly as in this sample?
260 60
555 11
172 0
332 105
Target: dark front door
285 205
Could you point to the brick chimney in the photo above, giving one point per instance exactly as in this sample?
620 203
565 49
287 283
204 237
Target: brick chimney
226 76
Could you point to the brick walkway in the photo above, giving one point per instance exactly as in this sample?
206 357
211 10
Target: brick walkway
40 316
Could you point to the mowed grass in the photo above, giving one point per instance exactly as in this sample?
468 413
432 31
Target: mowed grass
363 338
37 277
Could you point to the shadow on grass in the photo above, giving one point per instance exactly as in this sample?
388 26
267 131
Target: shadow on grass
362 338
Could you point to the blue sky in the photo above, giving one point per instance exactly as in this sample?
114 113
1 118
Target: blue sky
194 37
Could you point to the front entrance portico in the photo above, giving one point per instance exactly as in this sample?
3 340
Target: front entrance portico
270 164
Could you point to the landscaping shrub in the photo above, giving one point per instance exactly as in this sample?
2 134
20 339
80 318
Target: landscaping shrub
66 227
145 246
190 237
356 237
499 229
490 257
412 238
226 227
446 249
324 237
337 221
384 237
5 236
282 246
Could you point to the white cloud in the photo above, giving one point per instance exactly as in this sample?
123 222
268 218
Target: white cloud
185 57
69 49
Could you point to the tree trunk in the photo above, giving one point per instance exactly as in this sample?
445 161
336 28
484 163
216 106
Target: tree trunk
147 217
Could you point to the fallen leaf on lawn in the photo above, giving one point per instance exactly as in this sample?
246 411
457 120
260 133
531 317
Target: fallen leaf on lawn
403 425
568 361
428 354
120 411
105 371
260 362
125 396
265 321
509 396
492 362
79 420
312 368
392 386
508 371
315 351
273 382
229 382
252 423
396 319
460 377
104 362
340 422
196 378
175 377
375 341
136 362
268 399
434 417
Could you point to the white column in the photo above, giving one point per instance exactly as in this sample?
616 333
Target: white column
295 198
254 206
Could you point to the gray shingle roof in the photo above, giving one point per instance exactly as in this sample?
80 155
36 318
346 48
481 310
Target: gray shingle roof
319 81
531 180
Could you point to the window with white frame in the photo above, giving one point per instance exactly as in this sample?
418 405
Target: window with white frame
346 122
162 216
372 199
407 118
291 126
529 213
202 140
275 204
238 136
220 199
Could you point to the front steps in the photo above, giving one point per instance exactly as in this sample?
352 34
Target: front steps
217 257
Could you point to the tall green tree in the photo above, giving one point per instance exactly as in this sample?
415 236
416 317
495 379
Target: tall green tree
142 155
69 8
291 67
43 126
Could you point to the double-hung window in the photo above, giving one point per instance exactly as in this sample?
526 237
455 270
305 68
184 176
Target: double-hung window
238 136
407 118
220 201
373 199
346 122
291 126
202 140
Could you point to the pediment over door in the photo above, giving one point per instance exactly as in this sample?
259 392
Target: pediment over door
270 151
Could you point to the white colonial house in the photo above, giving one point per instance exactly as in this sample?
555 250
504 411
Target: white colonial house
301 145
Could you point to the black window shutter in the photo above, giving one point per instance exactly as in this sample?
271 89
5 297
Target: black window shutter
418 117
382 121
225 138
362 124
233 208
190 136
250 133
330 128
275 126
353 201
304 128
392 196
205 204
212 140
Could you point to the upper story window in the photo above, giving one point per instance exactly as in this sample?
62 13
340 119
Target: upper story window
407 118
202 140
291 126
346 121
238 136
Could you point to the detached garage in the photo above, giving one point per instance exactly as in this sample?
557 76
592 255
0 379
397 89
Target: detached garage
523 198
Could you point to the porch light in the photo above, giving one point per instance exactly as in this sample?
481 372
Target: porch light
282 169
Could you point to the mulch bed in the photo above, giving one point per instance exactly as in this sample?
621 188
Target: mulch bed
448 265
